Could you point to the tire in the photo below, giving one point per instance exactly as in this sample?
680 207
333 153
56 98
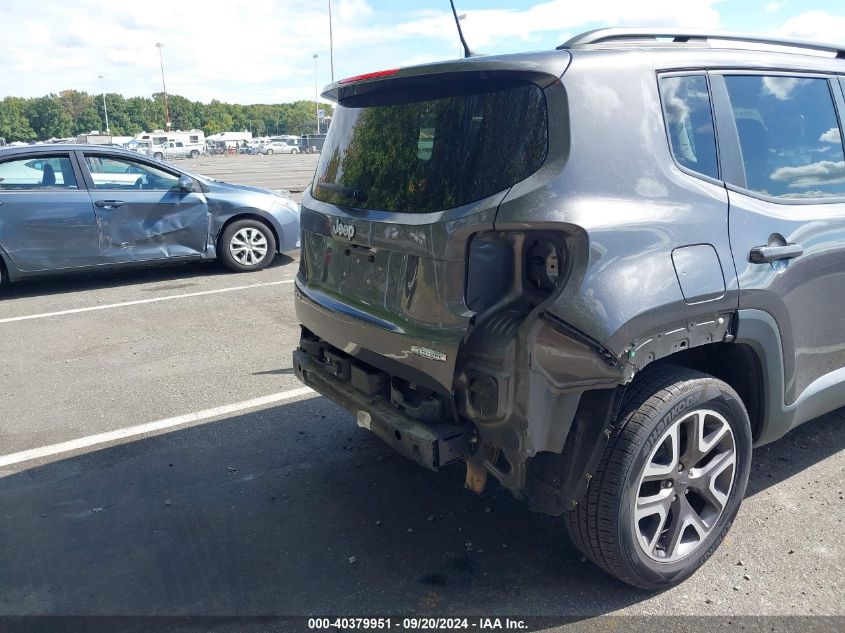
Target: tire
236 256
269 152
158 156
195 154
294 151
642 552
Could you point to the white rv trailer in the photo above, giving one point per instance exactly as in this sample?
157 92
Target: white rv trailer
160 137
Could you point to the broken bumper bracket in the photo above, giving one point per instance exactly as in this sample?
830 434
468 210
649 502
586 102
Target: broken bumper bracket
432 445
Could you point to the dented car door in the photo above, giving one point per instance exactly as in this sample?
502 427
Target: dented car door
141 212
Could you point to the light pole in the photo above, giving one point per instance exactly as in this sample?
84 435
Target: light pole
316 95
160 46
105 107
461 18
331 42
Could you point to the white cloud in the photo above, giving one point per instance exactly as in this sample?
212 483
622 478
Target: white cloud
821 173
261 50
831 136
243 52
782 87
773 7
486 26
816 25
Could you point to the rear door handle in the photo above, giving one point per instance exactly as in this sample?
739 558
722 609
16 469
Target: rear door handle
766 254
109 204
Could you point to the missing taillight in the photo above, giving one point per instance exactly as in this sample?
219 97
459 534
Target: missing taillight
543 266
509 267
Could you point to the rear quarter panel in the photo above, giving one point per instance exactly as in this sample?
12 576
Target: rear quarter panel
630 206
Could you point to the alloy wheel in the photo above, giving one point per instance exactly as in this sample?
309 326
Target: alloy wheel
684 485
248 246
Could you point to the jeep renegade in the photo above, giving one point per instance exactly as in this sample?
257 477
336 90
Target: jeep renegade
599 274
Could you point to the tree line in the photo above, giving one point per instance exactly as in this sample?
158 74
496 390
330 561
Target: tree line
72 112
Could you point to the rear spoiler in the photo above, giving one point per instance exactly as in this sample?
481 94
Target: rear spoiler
542 69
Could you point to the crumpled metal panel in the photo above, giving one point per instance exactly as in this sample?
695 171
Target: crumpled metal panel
150 225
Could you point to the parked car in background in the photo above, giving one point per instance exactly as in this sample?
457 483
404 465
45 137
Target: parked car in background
176 149
142 147
599 274
278 147
77 207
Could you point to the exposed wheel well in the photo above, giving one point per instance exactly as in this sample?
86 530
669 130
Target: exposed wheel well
735 364
251 216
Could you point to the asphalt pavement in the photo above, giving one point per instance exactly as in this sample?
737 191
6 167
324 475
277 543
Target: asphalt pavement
215 485
279 171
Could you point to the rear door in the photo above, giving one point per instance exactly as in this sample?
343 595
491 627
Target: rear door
141 213
787 212
46 218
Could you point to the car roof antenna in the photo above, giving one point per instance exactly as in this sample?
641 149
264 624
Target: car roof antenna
467 52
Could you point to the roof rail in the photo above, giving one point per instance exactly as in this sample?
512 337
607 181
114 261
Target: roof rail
621 34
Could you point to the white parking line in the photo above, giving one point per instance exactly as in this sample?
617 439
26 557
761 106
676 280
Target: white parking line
149 427
141 301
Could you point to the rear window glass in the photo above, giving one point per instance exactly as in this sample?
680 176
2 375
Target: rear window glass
689 123
424 153
43 172
789 136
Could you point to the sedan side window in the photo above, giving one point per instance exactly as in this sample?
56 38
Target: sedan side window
39 173
112 173
789 136
689 123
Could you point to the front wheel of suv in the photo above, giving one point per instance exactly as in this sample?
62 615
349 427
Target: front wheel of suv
670 481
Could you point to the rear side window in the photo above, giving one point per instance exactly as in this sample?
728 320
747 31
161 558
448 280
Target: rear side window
419 152
113 173
789 136
689 123
43 172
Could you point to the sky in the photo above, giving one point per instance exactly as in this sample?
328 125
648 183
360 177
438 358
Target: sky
261 51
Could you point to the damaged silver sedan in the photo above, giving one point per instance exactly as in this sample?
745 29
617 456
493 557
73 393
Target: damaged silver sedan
72 207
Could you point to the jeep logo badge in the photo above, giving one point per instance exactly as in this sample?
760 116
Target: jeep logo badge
343 230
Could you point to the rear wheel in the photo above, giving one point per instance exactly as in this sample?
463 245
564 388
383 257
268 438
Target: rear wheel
294 151
195 154
269 152
247 245
158 155
670 481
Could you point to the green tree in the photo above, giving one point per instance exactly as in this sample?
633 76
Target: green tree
88 121
300 117
218 118
182 113
119 120
48 118
72 111
14 124
75 103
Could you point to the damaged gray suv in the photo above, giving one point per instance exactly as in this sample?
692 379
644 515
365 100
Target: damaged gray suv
599 274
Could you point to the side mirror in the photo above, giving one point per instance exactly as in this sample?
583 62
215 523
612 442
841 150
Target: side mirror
186 184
